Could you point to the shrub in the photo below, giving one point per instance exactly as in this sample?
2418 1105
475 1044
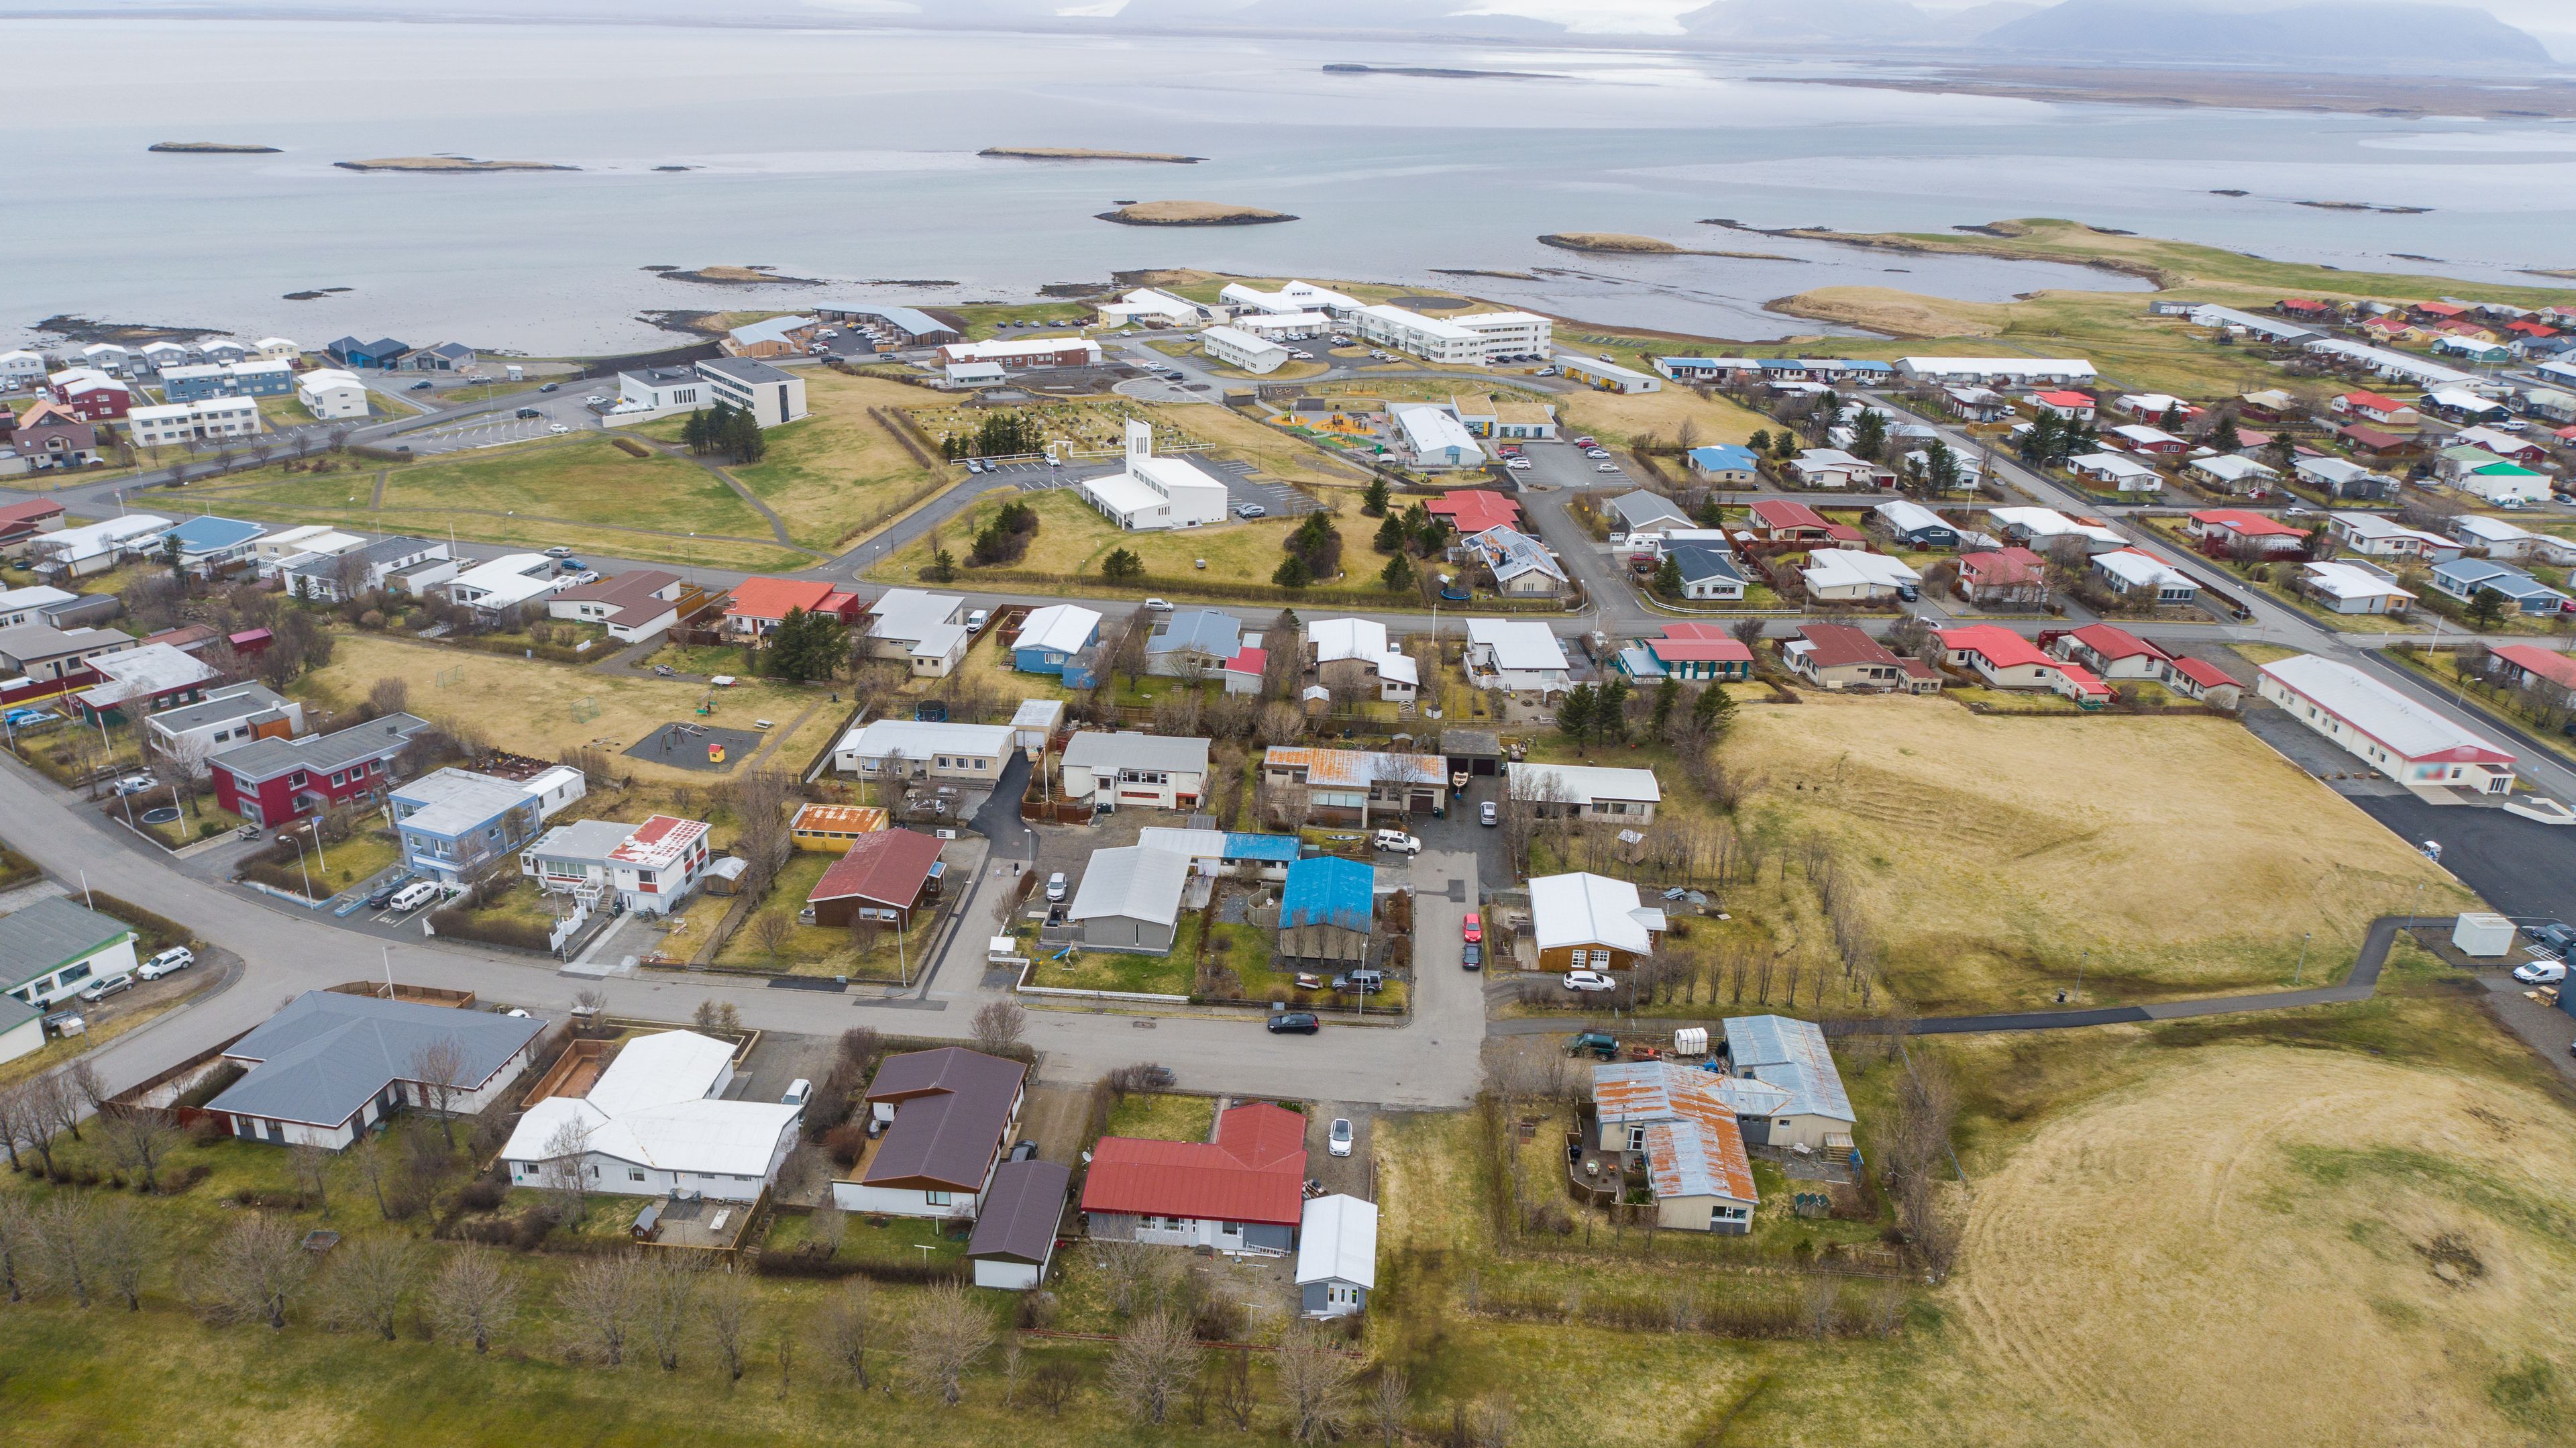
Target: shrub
482 1194
846 1143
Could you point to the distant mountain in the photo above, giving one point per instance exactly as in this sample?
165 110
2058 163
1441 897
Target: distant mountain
2388 31
1810 20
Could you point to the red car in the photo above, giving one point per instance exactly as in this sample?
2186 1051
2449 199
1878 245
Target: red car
1474 929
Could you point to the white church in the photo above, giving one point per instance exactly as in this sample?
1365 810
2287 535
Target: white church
1155 492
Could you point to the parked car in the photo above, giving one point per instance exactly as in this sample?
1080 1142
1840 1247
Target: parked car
1518 465
1397 840
108 985
413 896
559 551
1156 605
384 897
1600 1045
1056 888
975 621
2555 936
1251 510
1473 928
2541 972
1471 956
1365 982
530 412
135 783
169 962
1486 814
1338 1140
422 385
1589 980
1605 467
558 387
1294 1023
595 400
797 1091
558 427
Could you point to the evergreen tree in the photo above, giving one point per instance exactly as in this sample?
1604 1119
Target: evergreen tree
1668 694
1373 502
1398 575
2223 437
2486 608
1713 711
1709 514
1578 715
693 431
943 567
1390 536
1668 577
1122 566
1785 446
1610 709
1869 435
1293 572
745 442
1760 442
1940 467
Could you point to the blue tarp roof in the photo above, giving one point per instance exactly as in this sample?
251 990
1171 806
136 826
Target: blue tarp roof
207 534
1723 455
1327 890
1261 847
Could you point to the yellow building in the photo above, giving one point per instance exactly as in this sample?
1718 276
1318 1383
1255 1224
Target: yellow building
830 828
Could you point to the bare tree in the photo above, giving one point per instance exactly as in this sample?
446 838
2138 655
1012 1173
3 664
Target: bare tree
21 1246
388 695
724 1306
1390 1400
1819 1304
370 1281
560 1174
310 1164
65 1226
716 1015
944 1335
826 1225
140 1139
1490 1422
17 1120
256 1270
1151 1364
1015 1366
438 1073
600 1300
368 1156
1235 1400
998 1027
473 1299
1053 1386
1314 1381
120 1248
667 1305
771 930
849 1329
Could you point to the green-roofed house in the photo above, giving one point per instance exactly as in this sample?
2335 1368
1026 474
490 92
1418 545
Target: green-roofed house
54 948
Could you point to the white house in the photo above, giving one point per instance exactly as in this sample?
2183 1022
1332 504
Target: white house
1826 467
1587 791
1149 304
2373 536
2353 588
1155 492
1336 1255
508 581
2040 527
1241 349
1354 652
926 630
2126 571
328 1066
2121 471
95 547
331 394
1836 575
919 749
654 1124
1129 770
653 391
2390 731
56 947
179 423
1517 656
2232 473
1433 437
648 867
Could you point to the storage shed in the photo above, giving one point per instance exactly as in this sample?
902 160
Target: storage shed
1015 1233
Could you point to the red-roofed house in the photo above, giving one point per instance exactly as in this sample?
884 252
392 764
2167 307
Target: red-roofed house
1701 651
2439 311
2005 576
2529 666
2200 679
1785 520
2219 530
2006 660
1473 510
759 604
2373 407
1246 1189
1243 672
885 875
2112 652
21 522
2304 308
2075 405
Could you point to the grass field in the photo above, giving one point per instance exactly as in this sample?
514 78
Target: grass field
526 705
1162 1117
2165 856
839 473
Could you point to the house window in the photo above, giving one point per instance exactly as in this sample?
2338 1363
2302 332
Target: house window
1231 1229
634 1175
936 1199
1636 1138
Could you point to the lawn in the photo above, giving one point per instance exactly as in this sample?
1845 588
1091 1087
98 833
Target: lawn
821 949
2165 857
527 705
1101 970
839 473
1161 1117
2443 667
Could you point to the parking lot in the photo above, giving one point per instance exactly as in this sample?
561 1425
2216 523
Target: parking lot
564 409
1563 465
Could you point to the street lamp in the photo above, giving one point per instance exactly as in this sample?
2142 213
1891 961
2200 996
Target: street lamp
2297 975
292 839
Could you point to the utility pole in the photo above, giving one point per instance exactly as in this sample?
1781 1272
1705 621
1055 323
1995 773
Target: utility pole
2301 973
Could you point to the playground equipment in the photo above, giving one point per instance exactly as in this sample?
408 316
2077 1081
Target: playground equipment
715 753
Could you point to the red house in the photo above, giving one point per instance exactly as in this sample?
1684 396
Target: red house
1473 510
1786 520
271 781
1244 1189
20 522
95 398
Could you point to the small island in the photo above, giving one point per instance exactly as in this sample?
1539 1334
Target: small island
1620 243
447 164
1436 72
211 148
733 276
1081 153
1192 213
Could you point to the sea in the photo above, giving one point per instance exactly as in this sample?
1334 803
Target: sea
848 156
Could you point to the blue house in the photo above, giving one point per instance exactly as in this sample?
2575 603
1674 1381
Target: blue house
209 544
1059 639
2466 578
382 352
1272 854
204 381
1724 463
1325 910
455 822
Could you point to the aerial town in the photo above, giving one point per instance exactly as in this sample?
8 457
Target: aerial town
1246 854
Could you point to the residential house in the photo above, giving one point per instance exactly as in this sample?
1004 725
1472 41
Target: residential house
1015 1231
1347 788
91 396
1786 520
51 437
215 380
142 680
1353 656
2129 572
510 581
1129 770
330 1067
1521 565
1675 1122
2041 528
2370 442
949 1117
913 749
2002 659
1226 852
1192 643
455 822
329 577
179 424
2269 405
649 867
927 630
20 523
55 947
2073 406
354 353
884 876
2112 652
273 779
1521 657
1724 464
2234 474
1840 575
2373 536
2122 472
95 547
1976 404
632 606
759 605
1590 922
1641 511
2344 480
2390 731
331 394
271 550
1996 371
2235 531
1326 907
1838 656
655 1123
1060 639
224 719
1585 791
2497 538
210 545
1336 1256
1473 510
19 369
45 653
2003 577
831 828
2521 448
1708 574
2146 441
1913 525
1792 1056
2353 587
2504 484
2529 666
1243 1191
787 336
2155 407
2466 578
1826 467
2378 409
1700 651
2204 681
1129 900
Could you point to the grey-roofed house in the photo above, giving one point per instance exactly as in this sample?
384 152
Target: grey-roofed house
1128 770
1193 643
438 357
226 718
1129 900
332 577
633 605
56 946
22 1028
272 780
1522 566
41 651
1707 573
949 1114
1336 1256
330 1066
1640 511
1791 1055
925 630
1015 1233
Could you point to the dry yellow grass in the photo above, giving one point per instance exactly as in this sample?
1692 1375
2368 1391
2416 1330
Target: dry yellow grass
1896 313
1630 417
1993 853
1192 213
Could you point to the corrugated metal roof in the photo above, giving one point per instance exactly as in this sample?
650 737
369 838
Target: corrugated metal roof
326 1055
49 933
1018 1219
1255 1171
1337 1241
1328 890
886 866
952 1109
1693 1146
1790 1054
1127 749
1134 882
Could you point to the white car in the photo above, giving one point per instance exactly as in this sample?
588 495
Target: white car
558 427
1605 467
1399 841
1056 888
1338 1141
135 783
176 958
1589 980
1486 814
2541 972
1156 605
1518 465
595 400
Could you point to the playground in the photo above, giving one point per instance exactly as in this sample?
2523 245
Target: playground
706 748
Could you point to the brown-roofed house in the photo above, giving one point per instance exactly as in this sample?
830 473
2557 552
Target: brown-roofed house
946 1116
632 605
1838 656
883 876
1015 1233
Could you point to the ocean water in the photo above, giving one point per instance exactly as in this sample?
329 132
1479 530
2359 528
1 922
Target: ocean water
848 155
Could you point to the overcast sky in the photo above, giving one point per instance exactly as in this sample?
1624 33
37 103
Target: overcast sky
1632 16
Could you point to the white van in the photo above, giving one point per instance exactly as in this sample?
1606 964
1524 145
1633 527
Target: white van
413 896
797 1091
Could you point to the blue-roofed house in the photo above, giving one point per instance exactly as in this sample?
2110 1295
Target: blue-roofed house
2466 578
1058 639
1193 643
1724 463
1325 910
1791 1055
208 545
1226 852
352 352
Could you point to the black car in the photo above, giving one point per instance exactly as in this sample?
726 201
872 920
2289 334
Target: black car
1472 955
530 412
2556 937
549 387
1295 1023
385 896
